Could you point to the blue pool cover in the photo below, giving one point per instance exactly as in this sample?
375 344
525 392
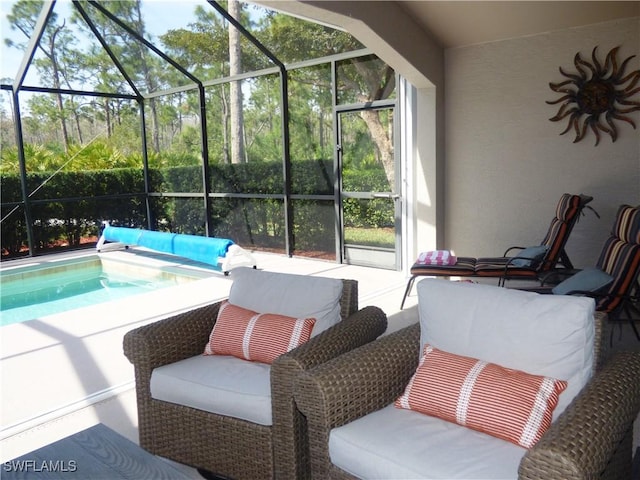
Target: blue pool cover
195 247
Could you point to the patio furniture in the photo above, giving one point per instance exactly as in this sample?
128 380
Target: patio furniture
529 263
227 415
94 453
356 431
613 282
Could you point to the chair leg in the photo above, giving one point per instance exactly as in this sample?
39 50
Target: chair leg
206 474
635 329
407 290
628 308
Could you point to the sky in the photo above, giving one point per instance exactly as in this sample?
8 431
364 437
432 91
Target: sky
10 56
161 16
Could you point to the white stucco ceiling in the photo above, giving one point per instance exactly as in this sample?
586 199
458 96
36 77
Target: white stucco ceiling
459 23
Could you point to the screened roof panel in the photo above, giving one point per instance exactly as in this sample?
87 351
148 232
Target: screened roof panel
292 39
149 46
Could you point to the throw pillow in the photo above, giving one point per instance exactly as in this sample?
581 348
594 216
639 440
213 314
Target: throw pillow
502 402
529 256
259 337
587 280
299 296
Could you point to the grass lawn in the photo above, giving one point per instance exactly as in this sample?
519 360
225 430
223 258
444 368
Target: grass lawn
373 237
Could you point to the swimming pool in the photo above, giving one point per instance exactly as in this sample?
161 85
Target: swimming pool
49 287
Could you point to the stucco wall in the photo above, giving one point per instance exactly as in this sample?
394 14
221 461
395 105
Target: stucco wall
506 164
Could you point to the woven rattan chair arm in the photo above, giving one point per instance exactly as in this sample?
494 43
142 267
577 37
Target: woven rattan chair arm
360 381
289 426
352 385
582 441
349 299
362 327
171 339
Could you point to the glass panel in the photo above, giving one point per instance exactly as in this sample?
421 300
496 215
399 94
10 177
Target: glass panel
13 230
126 212
191 33
251 223
293 39
180 215
85 183
7 133
311 130
174 135
314 229
262 119
217 98
177 179
366 138
68 224
11 187
252 133
101 134
369 222
148 70
365 79
368 181
257 177
74 224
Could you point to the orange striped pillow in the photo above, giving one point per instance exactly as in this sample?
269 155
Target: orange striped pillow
505 403
259 337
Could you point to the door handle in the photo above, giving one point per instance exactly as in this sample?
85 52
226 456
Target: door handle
391 196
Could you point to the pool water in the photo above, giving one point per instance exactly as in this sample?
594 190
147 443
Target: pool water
32 292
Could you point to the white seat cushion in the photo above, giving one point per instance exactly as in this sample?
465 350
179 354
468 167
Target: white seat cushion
298 296
549 335
218 384
402 444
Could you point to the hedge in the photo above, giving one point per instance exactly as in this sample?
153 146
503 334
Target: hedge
117 195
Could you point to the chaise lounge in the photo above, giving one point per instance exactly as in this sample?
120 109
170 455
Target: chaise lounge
517 263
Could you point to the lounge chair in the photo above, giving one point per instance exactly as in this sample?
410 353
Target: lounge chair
528 263
613 282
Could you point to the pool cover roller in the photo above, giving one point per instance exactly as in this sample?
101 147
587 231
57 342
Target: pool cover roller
209 250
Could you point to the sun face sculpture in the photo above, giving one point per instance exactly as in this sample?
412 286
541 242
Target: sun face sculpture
596 91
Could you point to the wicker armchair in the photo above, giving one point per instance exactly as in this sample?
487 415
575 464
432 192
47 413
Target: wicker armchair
225 445
591 439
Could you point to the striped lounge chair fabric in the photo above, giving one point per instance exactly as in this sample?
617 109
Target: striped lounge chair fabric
619 262
620 258
567 212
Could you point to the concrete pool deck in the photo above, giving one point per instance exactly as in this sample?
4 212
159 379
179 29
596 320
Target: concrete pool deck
59 363
57 373
59 377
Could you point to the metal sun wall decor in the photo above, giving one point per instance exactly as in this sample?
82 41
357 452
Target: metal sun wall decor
594 91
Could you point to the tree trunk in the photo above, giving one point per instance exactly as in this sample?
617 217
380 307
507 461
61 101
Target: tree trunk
235 67
383 141
56 85
225 126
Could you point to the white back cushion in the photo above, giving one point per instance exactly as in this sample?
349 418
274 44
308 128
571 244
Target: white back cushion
549 335
299 296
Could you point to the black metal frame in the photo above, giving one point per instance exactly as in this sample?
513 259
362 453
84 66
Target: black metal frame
141 98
